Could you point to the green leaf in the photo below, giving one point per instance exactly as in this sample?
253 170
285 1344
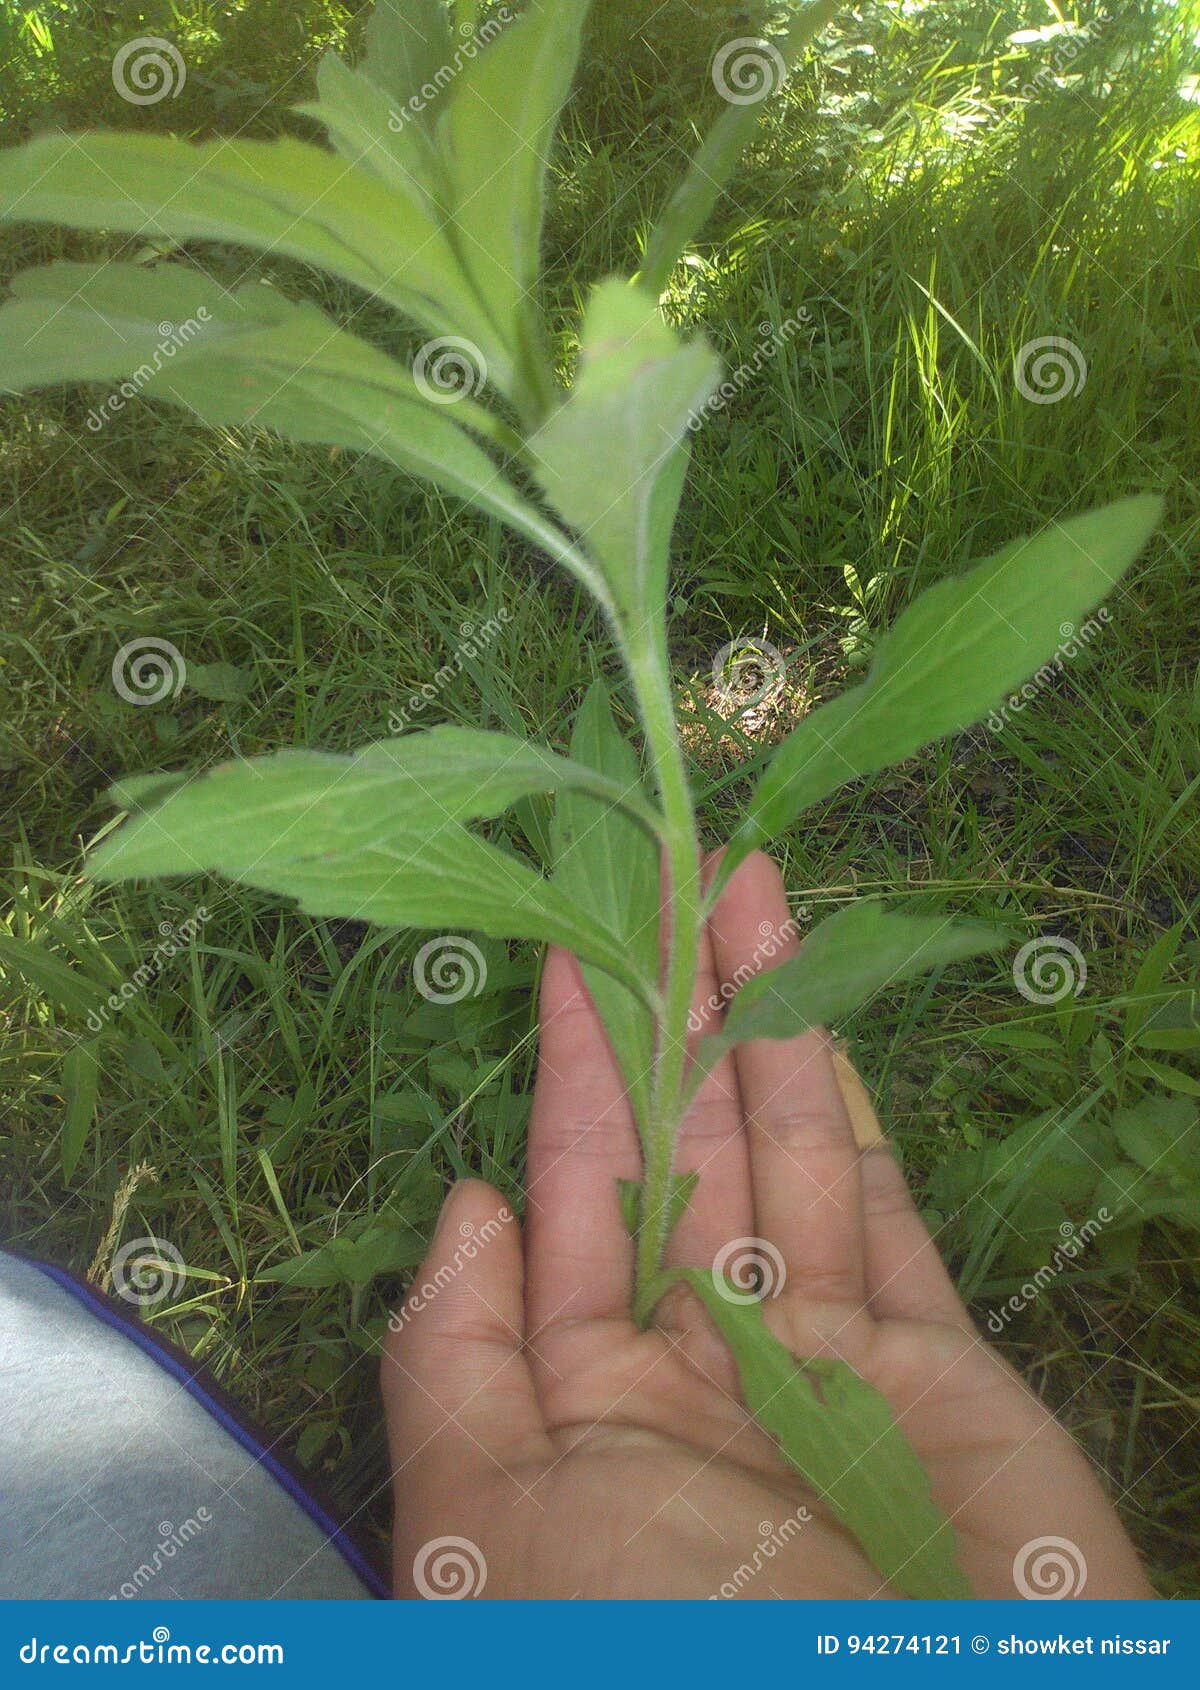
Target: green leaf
368 130
376 837
496 134
37 968
844 961
637 390
81 1081
389 1246
284 197
223 683
608 864
452 774
1150 977
141 792
251 358
1160 1135
840 1435
692 203
408 46
682 1187
629 1193
949 660
1175 1079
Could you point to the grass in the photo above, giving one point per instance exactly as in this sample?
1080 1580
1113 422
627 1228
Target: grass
278 1082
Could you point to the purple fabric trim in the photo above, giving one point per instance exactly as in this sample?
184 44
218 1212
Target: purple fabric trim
253 1445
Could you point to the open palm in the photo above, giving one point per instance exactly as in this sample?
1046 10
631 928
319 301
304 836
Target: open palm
543 1446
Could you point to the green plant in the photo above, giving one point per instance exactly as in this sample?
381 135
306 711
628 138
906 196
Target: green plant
1114 1148
434 206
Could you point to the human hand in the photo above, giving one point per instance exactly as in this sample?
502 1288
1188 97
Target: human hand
578 1456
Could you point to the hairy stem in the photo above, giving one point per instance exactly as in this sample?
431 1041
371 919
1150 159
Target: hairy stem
649 672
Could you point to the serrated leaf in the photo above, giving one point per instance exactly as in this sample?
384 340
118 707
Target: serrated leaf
842 962
841 1436
608 864
637 387
950 659
285 197
81 1081
376 837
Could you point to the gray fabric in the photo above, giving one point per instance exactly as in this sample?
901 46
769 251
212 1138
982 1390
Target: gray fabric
115 1481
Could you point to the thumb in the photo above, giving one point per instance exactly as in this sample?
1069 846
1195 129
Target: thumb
457 1390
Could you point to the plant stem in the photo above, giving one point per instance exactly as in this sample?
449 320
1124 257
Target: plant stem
646 660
